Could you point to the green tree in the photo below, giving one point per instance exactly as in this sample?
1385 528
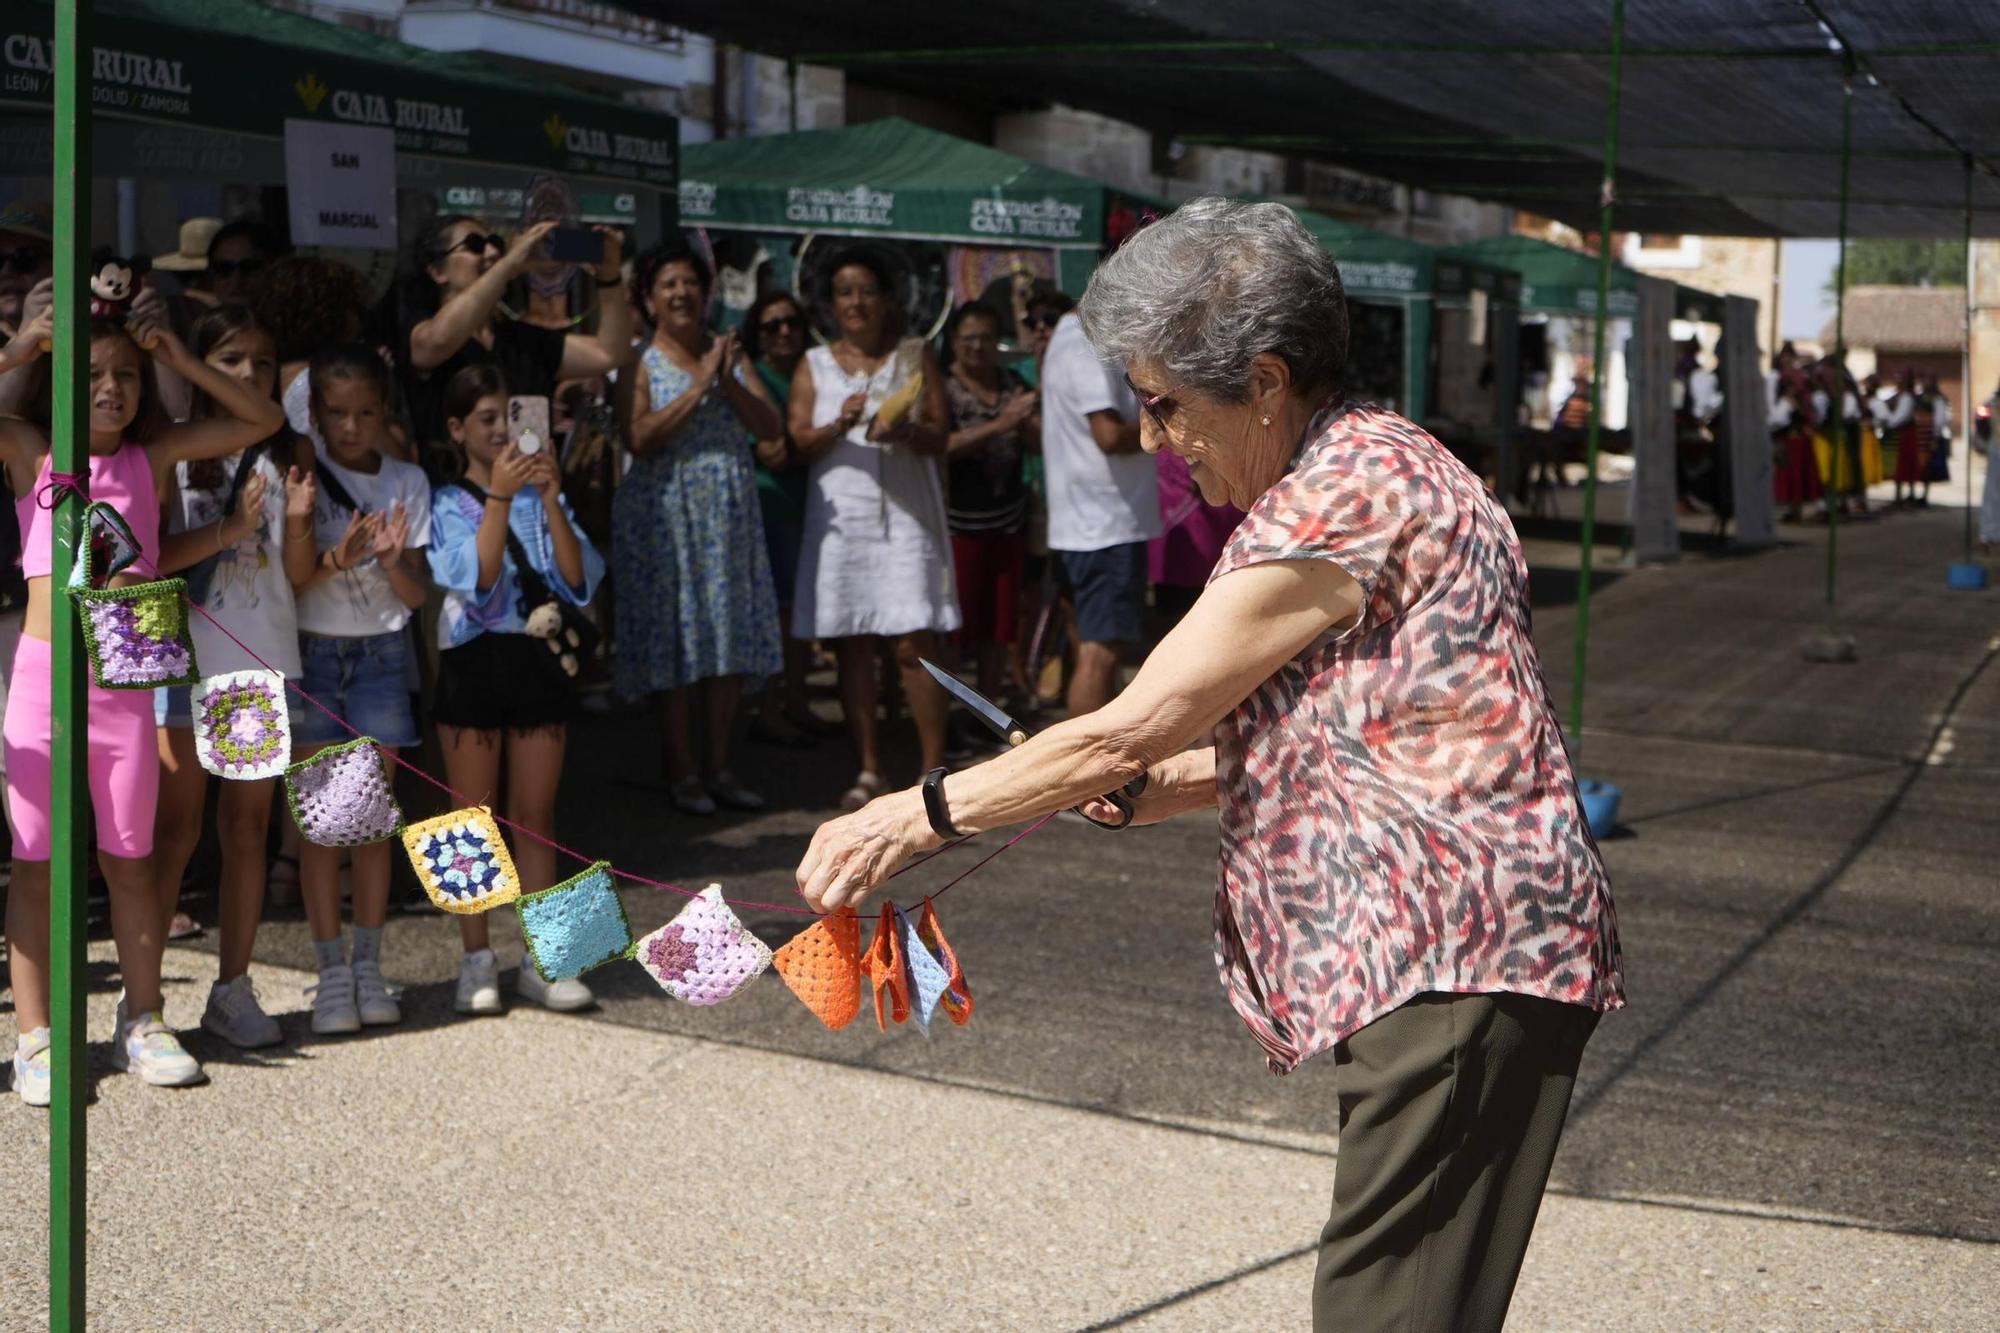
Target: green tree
1904 264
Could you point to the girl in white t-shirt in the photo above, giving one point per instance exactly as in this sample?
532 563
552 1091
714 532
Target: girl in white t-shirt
242 527
371 519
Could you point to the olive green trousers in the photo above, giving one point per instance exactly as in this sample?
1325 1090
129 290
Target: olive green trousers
1450 1111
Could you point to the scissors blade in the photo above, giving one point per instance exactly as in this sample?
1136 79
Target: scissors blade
995 717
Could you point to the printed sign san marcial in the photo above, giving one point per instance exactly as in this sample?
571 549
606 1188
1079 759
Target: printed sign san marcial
120 80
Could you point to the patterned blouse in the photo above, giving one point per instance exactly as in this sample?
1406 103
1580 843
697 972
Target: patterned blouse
1398 813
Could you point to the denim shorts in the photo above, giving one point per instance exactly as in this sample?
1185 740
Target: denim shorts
1110 591
366 681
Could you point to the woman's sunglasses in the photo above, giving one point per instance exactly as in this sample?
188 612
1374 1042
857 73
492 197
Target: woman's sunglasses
1036 323
1158 406
780 323
229 268
476 244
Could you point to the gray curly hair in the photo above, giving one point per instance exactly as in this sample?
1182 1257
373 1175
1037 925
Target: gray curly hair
1213 285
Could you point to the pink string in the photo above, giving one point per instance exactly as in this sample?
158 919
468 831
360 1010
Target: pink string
523 831
60 483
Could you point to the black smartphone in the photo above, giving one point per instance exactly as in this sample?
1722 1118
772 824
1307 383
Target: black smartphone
576 245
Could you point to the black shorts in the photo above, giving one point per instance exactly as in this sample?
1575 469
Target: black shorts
1109 587
499 681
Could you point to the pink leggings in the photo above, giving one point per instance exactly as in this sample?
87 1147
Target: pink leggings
124 761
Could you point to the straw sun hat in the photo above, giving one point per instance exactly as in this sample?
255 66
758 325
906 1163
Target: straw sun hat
192 256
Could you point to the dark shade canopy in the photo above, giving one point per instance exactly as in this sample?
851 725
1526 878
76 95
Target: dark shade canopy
1731 119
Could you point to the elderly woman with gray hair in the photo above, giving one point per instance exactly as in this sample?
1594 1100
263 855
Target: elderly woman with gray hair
1406 876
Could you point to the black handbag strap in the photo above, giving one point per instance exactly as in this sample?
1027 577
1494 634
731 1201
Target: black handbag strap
335 491
534 588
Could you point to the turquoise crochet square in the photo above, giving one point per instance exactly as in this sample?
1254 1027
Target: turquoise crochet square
575 926
928 979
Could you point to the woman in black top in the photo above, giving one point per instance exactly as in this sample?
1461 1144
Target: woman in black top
461 272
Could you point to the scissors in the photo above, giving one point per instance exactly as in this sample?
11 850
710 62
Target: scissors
1007 729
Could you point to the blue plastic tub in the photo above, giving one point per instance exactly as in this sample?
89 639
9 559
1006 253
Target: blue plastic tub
1966 577
1600 807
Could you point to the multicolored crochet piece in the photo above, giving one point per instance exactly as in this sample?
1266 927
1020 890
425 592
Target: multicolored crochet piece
575 926
957 997
242 729
463 862
883 966
137 636
111 550
822 965
704 955
928 978
340 797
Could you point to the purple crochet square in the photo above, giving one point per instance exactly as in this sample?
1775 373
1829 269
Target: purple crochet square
341 797
137 636
241 727
704 955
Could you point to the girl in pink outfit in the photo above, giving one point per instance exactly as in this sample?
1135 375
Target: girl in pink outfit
133 453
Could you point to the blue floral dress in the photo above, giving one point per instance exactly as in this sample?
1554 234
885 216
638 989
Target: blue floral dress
695 599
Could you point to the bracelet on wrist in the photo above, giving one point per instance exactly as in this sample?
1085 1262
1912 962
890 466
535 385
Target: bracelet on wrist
615 280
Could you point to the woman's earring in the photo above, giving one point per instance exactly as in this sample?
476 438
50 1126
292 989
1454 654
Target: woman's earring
1267 421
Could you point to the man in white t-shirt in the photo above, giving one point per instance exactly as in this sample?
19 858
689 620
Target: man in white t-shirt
1104 505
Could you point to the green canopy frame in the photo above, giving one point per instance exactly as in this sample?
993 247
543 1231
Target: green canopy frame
898 180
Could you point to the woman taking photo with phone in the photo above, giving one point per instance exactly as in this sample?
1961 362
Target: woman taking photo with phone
460 271
698 606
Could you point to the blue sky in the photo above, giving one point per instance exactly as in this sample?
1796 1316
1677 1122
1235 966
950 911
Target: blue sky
1807 266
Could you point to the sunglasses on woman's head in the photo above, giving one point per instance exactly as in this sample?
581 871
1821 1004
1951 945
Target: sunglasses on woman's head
476 244
778 323
27 259
1036 322
1158 406
229 268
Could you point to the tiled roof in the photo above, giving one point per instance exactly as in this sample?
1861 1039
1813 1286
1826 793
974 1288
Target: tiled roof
1903 319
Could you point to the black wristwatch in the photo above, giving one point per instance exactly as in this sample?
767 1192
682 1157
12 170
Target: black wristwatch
934 804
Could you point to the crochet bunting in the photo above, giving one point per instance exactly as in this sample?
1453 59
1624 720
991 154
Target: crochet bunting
883 966
575 926
928 978
463 861
822 965
957 996
705 954
242 729
340 797
137 636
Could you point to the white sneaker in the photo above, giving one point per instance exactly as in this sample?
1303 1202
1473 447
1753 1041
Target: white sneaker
31 1067
371 996
478 984
234 1015
146 1046
334 1011
565 996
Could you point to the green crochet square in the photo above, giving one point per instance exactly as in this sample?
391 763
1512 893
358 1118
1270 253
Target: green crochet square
137 636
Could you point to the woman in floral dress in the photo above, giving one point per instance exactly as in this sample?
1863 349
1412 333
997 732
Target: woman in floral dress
698 607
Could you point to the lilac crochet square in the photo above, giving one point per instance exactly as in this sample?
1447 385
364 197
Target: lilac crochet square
704 955
928 978
242 729
341 797
137 636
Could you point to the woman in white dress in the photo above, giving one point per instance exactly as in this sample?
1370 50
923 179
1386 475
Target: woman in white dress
877 561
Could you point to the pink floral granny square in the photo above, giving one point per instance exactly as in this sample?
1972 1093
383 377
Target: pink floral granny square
704 955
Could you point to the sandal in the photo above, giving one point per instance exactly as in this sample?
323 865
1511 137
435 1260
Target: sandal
867 786
183 927
690 798
728 791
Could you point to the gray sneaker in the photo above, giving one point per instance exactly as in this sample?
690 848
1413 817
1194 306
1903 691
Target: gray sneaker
372 996
146 1046
234 1015
564 997
334 1010
478 984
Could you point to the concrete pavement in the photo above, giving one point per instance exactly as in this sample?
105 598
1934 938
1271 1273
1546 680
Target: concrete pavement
1790 1128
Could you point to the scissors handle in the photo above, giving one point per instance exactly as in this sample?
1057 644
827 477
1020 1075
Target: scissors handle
1122 800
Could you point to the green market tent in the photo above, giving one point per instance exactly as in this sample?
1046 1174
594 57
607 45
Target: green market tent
892 178
1378 268
1555 281
201 89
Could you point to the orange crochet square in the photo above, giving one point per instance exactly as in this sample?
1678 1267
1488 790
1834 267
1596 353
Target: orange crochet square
822 965
957 1000
883 966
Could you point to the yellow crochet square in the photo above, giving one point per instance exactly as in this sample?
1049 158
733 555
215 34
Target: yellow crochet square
463 861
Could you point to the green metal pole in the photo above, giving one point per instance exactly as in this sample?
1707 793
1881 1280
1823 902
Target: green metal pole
1605 200
69 722
1965 374
1837 396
